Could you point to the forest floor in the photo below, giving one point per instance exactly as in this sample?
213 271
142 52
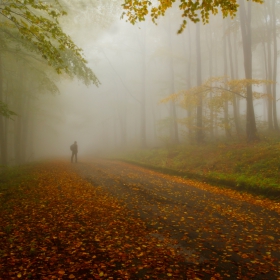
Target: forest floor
247 167
107 219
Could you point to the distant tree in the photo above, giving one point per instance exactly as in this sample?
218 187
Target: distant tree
231 29
199 108
174 136
226 99
274 21
222 89
246 31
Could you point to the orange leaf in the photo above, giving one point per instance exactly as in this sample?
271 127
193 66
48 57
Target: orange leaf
61 272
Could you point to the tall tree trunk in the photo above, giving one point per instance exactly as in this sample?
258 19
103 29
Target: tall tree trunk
245 21
143 106
174 136
266 87
269 71
237 98
143 135
275 60
3 131
199 112
174 125
122 119
189 107
18 138
26 128
232 74
210 51
225 95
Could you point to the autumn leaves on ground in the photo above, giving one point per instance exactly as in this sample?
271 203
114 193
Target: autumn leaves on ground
111 220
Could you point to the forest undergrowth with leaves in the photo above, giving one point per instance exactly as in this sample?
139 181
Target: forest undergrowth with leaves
108 219
251 167
56 225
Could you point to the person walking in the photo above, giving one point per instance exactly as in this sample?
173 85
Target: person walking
74 149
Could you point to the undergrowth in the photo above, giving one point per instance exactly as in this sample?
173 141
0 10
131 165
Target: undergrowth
12 179
246 167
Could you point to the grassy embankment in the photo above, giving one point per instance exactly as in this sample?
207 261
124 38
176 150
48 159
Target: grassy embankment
253 168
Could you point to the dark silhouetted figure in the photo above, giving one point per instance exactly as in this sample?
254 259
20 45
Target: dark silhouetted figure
74 149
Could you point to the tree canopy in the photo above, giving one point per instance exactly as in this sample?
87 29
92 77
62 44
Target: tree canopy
193 10
37 23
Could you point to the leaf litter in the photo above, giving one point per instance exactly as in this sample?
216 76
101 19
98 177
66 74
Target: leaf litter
114 221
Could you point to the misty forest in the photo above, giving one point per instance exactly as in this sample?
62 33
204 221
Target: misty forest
139 139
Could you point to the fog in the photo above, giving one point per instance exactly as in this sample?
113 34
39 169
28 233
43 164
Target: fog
140 65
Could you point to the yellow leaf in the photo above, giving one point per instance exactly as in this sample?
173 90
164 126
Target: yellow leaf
71 276
61 272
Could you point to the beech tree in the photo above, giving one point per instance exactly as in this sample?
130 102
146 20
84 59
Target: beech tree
223 89
196 11
37 23
32 46
136 10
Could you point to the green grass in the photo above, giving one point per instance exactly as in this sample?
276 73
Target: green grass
246 167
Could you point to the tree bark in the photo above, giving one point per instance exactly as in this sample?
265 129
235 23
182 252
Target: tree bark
275 60
245 21
269 71
234 97
143 135
3 131
210 51
199 115
189 107
174 136
225 94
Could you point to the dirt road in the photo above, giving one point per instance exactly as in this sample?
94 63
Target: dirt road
111 220
218 233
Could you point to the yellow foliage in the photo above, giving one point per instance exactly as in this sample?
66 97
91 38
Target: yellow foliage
137 10
222 88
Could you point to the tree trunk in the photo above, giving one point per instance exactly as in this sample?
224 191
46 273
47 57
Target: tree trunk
268 109
143 135
225 94
199 113
122 120
269 72
275 60
174 136
245 21
3 131
234 97
189 85
210 51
